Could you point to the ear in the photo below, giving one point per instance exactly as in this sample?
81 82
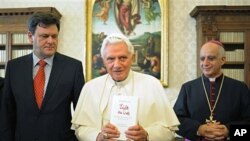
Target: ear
30 37
223 60
133 57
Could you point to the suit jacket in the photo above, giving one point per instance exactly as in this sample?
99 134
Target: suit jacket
1 83
191 107
1 89
21 119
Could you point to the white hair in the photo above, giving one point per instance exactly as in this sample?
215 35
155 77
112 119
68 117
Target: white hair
116 38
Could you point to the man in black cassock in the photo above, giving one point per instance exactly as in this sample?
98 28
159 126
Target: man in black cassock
208 105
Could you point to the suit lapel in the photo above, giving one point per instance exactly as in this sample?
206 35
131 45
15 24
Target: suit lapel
28 80
55 74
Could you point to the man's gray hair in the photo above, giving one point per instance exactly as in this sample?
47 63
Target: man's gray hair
222 52
116 38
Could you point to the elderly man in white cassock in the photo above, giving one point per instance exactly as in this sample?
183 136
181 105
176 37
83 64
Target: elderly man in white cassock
154 118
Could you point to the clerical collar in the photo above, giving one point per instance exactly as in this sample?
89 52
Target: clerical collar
121 83
213 79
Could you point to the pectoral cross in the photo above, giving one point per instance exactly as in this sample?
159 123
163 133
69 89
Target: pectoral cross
210 120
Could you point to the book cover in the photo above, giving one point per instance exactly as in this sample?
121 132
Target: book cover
124 113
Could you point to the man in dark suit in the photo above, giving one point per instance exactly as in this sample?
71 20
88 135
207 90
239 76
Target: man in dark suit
208 105
23 118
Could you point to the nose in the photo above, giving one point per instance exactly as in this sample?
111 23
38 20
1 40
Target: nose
117 63
51 39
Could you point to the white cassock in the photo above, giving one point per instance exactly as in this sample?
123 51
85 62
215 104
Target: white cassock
155 114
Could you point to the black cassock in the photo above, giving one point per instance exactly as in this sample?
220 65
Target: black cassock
192 110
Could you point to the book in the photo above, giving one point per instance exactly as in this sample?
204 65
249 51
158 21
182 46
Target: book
124 113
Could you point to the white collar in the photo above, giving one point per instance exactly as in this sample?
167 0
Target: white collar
121 83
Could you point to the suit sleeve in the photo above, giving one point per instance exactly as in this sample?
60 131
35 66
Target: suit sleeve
79 82
7 110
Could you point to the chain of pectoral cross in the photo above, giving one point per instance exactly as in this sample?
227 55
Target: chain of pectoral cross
211 120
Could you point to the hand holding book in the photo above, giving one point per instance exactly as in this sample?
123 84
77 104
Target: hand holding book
124 113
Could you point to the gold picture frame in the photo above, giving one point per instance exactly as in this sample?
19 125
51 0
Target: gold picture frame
145 27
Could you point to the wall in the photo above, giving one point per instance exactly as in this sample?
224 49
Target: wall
72 32
182 33
182 41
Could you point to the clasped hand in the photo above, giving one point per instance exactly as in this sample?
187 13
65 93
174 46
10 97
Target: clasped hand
213 131
110 132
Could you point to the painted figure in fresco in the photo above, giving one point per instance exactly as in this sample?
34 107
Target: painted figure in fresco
151 65
155 65
97 63
98 66
149 10
150 46
103 13
127 15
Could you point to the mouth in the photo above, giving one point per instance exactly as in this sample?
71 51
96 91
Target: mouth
117 71
49 48
206 70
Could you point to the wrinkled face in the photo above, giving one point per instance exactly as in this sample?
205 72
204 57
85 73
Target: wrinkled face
211 60
44 40
117 60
